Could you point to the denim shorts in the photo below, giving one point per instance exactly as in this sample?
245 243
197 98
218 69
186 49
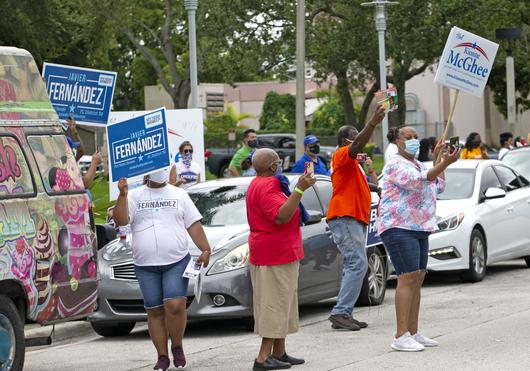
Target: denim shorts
159 283
408 250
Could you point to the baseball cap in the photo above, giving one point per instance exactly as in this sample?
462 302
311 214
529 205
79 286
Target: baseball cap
310 139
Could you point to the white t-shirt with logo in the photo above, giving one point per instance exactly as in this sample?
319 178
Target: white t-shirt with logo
159 219
191 174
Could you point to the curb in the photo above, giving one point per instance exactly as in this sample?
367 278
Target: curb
63 330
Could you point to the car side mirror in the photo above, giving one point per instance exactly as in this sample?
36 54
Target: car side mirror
314 217
494 192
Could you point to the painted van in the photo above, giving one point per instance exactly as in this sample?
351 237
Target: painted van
47 237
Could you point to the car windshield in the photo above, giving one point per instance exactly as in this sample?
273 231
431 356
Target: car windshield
458 184
519 160
220 205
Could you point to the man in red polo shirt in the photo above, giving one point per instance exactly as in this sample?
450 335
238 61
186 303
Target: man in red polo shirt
275 243
348 216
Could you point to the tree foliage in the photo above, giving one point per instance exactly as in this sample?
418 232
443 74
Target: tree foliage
330 114
279 112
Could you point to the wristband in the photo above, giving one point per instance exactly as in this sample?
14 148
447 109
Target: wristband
299 191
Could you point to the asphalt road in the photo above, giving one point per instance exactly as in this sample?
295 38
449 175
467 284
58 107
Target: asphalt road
484 326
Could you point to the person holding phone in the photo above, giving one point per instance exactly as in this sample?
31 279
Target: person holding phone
161 216
312 149
348 216
275 244
407 215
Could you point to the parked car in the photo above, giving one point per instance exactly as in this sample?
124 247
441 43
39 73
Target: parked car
483 216
227 291
218 159
519 159
84 163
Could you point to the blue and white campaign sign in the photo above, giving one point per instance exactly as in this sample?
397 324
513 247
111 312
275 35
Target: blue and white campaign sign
86 94
138 146
466 62
182 125
372 238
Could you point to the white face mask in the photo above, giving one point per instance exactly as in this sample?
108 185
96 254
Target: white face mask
159 176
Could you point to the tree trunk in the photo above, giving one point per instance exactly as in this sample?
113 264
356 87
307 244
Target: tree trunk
183 90
366 103
398 117
346 100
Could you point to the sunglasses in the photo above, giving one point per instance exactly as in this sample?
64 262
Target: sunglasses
187 151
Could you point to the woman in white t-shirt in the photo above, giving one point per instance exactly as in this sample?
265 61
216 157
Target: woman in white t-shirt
161 216
188 172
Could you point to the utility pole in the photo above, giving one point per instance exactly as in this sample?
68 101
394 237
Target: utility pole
300 78
191 7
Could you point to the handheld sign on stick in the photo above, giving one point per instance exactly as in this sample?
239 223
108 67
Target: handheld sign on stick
465 65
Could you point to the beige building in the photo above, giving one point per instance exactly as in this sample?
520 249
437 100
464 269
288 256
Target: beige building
428 106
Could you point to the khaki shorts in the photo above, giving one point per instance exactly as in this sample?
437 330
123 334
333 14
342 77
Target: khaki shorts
275 296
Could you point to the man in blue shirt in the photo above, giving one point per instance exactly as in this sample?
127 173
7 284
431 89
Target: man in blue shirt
312 149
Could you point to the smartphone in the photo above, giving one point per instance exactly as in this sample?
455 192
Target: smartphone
361 157
310 168
454 143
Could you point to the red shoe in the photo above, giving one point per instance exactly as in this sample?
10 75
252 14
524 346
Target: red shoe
179 359
162 364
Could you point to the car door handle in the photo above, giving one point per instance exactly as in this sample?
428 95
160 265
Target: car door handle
509 209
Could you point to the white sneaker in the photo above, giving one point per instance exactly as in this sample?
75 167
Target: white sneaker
406 343
425 341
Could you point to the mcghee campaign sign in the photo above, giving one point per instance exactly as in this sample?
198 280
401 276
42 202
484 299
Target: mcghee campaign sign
466 62
83 93
139 145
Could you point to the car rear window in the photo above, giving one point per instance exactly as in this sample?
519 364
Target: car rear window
220 205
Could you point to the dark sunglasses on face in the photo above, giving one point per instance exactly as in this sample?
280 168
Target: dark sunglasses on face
187 151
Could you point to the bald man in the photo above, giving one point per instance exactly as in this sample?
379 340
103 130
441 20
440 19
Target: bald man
275 243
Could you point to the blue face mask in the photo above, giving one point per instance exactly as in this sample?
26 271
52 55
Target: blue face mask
412 146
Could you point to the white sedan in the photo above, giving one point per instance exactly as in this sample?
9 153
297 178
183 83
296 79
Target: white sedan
483 216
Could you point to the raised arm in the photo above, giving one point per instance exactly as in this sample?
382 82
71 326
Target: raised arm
287 210
121 212
364 136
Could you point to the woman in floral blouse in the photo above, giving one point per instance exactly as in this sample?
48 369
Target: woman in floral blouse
407 215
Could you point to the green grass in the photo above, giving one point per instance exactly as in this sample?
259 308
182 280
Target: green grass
100 198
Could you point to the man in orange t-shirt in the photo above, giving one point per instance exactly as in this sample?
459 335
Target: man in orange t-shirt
348 216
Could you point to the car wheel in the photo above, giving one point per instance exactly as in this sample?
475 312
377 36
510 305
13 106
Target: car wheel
113 329
374 285
12 343
248 323
224 172
477 258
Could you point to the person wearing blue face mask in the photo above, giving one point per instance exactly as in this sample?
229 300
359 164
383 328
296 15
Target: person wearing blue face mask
312 149
407 215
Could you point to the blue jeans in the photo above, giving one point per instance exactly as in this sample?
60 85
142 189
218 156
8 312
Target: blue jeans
159 283
349 235
408 250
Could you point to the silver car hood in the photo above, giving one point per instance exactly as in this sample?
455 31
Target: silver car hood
445 208
219 237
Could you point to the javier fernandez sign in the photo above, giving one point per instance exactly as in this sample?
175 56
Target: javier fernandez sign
85 94
466 62
372 237
138 146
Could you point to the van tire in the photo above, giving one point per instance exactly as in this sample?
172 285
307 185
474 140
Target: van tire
9 316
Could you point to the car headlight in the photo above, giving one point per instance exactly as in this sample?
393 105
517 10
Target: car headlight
119 250
235 259
451 222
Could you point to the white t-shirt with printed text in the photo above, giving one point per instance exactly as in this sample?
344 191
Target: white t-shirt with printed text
191 174
159 219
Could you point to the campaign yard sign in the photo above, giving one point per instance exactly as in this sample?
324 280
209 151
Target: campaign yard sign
466 62
84 93
182 125
138 146
372 238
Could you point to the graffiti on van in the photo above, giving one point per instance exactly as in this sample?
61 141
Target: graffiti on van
13 178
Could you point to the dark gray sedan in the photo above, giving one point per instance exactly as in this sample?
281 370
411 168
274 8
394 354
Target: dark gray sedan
227 291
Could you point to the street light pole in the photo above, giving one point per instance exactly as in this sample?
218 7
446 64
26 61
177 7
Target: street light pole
510 34
191 7
380 26
300 78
